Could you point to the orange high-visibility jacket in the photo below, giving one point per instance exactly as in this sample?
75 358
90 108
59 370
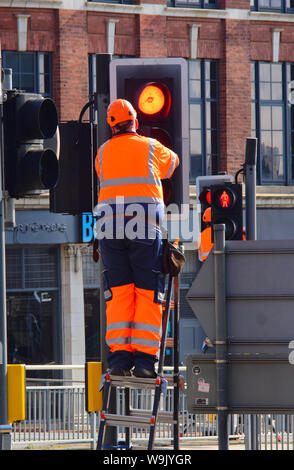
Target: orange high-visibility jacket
131 166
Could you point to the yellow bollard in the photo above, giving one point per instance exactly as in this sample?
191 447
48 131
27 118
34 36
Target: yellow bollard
16 392
92 382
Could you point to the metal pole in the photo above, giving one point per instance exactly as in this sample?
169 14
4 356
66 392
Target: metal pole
250 184
176 363
5 428
221 335
103 134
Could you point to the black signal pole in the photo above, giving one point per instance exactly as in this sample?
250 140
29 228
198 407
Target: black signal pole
5 428
221 335
102 98
250 185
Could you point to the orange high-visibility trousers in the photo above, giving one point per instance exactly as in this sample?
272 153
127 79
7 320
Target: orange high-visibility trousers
134 292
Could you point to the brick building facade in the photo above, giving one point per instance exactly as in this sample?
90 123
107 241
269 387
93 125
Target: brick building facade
241 66
231 34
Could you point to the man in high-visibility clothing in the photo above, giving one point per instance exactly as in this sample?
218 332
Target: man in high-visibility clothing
130 168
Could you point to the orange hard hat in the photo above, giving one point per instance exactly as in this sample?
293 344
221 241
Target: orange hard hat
120 111
207 215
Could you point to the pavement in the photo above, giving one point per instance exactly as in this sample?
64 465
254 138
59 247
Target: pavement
185 445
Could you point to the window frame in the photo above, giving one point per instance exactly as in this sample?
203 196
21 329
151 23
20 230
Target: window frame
22 289
36 68
203 100
284 102
283 9
195 4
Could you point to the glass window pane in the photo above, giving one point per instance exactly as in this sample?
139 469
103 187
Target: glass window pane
278 168
40 267
265 117
27 63
195 142
277 143
13 269
276 70
195 167
27 82
277 118
277 91
195 88
194 69
32 327
265 91
195 116
264 72
12 61
266 141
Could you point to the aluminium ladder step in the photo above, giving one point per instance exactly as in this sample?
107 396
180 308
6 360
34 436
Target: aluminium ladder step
126 420
162 416
138 382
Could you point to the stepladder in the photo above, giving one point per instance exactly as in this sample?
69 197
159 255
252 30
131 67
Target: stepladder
140 417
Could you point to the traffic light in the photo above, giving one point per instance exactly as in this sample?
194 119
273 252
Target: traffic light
76 189
30 166
204 185
226 208
157 88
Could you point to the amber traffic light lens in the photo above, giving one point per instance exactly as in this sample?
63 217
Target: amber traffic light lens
154 99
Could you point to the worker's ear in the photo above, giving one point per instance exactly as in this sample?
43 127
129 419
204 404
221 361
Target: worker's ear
136 124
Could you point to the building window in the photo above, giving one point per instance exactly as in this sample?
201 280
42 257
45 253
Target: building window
273 121
91 279
31 71
124 2
192 3
203 118
33 305
281 6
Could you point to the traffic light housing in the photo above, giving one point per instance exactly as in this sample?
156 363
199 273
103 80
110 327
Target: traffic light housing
226 208
30 166
76 189
157 89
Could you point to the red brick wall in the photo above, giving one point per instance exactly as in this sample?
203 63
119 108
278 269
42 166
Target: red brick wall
70 70
234 4
126 33
152 36
235 95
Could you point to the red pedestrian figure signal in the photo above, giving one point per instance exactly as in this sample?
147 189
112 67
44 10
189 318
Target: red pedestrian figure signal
225 200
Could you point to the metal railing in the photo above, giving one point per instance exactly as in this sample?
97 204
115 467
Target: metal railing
55 413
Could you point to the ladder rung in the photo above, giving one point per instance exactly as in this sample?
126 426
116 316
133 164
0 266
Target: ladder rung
162 416
137 382
126 420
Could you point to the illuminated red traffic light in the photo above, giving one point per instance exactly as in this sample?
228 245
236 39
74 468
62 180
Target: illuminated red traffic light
154 99
225 199
226 208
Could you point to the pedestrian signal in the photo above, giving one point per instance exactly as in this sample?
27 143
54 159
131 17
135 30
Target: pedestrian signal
226 208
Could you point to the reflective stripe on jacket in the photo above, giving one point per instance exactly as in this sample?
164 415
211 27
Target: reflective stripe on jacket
132 166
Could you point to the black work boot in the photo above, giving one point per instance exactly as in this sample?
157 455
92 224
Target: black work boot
144 373
120 372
